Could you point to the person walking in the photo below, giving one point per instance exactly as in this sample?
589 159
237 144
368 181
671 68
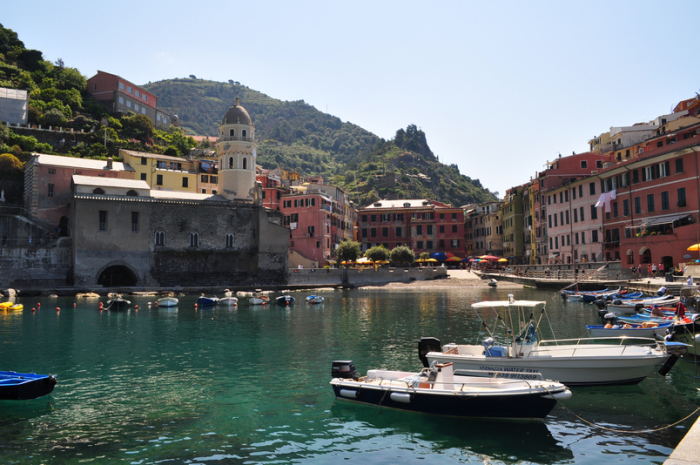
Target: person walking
649 270
661 270
634 272
653 270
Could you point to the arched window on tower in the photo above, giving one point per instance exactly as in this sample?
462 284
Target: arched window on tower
245 163
243 133
160 238
194 239
99 191
230 163
231 132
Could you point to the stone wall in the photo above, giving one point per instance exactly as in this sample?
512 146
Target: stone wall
36 266
366 277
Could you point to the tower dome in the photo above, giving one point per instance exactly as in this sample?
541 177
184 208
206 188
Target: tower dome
237 115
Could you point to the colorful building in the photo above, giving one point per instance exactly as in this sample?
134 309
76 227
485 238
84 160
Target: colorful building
163 171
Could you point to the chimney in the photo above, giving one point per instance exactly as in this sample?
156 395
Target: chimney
109 163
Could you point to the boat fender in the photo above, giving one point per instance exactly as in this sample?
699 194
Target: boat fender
400 397
348 393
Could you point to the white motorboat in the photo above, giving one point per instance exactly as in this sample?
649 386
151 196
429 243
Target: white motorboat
229 300
167 302
437 390
259 299
643 330
522 353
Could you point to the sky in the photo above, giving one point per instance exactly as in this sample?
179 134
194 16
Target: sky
499 88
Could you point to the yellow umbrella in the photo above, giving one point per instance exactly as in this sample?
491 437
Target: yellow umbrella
420 260
693 248
502 260
431 260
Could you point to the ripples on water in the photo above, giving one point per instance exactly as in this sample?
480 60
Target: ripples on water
250 385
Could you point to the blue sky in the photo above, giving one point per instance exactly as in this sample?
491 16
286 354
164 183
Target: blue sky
499 88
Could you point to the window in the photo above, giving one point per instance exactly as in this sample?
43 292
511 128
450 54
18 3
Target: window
121 85
160 238
591 188
455 243
681 197
128 103
650 202
205 178
665 204
594 212
229 240
103 220
137 94
594 235
580 190
637 205
581 215
419 229
429 229
129 89
244 133
194 239
134 221
51 189
230 163
429 245
626 207
419 245
159 180
245 163
454 228
398 232
143 176
614 209
373 232
583 237
575 215
584 164
185 182
635 176
144 161
679 165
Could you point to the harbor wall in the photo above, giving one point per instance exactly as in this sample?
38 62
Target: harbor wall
336 277
35 267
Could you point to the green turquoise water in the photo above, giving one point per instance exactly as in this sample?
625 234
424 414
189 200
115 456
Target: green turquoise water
250 385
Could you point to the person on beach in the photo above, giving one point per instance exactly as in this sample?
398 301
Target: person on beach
634 271
653 270
649 270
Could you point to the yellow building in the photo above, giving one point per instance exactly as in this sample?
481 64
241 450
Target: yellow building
162 171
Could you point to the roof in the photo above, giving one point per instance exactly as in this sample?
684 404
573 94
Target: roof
155 156
84 163
109 182
400 203
179 195
237 115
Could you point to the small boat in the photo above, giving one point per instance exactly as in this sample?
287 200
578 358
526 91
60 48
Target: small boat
492 282
687 331
647 329
314 299
6 305
230 301
520 350
25 386
203 301
16 307
574 297
259 300
285 299
167 302
439 390
118 303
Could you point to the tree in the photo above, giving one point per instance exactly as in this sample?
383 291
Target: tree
377 253
424 255
402 255
9 164
54 117
138 127
348 251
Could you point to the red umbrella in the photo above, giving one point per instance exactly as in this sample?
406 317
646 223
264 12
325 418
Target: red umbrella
488 257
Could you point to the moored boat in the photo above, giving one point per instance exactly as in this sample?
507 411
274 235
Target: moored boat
167 302
204 301
118 303
16 307
285 300
230 301
6 305
25 386
687 331
314 299
646 329
438 390
522 353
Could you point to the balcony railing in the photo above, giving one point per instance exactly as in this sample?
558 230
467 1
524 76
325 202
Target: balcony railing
236 138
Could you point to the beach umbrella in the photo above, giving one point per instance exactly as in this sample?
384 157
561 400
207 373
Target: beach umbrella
420 260
431 260
439 256
693 248
453 259
502 260
488 257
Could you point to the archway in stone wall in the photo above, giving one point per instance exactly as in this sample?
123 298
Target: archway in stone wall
117 276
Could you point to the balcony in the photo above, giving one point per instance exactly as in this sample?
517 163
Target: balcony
236 138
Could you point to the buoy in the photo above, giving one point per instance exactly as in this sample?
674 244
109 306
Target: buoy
136 307
33 309
58 309
74 304
38 304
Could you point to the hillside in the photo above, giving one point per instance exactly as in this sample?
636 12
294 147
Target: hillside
295 135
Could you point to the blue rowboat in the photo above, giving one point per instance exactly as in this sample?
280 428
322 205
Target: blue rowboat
25 386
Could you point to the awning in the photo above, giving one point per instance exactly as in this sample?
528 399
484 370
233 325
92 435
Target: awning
668 219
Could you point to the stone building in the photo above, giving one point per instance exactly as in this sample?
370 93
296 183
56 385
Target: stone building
126 234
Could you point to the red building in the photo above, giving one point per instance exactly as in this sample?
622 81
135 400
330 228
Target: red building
422 225
308 217
122 96
654 203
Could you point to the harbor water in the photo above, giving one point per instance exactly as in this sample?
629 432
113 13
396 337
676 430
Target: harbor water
250 384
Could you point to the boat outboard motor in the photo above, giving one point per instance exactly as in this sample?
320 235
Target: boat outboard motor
601 303
609 318
638 308
617 302
344 369
426 345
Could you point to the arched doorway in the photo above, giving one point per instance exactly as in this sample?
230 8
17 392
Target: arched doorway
117 276
644 255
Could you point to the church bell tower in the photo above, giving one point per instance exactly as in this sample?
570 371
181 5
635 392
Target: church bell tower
237 151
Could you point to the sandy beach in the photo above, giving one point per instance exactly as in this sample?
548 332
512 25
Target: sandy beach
456 278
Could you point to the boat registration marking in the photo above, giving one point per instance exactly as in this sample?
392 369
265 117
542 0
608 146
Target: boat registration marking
512 372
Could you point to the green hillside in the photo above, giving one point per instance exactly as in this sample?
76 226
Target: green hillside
296 136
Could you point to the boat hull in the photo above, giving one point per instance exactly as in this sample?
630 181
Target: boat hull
584 365
207 301
451 403
602 331
168 302
24 386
